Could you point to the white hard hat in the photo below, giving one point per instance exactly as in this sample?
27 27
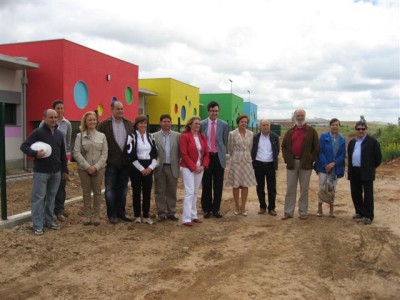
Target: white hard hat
42 146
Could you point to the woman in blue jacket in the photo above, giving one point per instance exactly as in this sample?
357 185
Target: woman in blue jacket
330 162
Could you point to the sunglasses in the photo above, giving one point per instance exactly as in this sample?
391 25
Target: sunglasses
360 129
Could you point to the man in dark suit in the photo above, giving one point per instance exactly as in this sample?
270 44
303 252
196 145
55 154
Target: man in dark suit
364 156
265 153
216 131
116 128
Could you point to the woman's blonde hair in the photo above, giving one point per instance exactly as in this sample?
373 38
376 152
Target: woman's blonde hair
83 125
190 122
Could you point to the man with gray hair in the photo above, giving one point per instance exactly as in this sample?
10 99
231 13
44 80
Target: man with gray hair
265 153
300 148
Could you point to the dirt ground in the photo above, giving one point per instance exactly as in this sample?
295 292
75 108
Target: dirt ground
236 257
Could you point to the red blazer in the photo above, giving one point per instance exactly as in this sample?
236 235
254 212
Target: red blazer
189 153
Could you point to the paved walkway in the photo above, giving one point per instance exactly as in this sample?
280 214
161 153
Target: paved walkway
26 216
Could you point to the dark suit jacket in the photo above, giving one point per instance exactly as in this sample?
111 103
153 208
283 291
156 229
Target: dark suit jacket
371 157
189 153
274 138
116 157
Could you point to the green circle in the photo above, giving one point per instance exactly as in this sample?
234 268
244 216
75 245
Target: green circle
128 95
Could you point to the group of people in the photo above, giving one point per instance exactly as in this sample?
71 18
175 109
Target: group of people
303 151
117 150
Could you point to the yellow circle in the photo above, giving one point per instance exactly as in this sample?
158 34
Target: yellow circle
100 110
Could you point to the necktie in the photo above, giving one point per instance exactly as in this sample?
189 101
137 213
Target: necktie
213 138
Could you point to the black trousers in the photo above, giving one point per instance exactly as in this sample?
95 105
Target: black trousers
265 172
141 185
362 194
213 180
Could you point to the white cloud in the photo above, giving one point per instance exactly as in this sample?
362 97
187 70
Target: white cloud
334 58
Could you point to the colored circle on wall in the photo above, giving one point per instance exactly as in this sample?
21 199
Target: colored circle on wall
176 108
81 94
183 112
128 95
100 110
194 112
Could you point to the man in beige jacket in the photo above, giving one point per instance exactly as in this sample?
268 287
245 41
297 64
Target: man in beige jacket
167 173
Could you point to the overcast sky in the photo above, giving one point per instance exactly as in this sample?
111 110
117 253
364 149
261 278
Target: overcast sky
334 58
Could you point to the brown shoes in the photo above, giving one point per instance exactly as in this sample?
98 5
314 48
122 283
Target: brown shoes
303 217
87 221
272 212
189 224
286 216
262 211
196 221
96 221
161 219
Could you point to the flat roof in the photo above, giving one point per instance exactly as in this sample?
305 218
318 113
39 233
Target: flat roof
16 63
147 92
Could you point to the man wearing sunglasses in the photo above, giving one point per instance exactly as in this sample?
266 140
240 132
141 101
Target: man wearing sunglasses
364 156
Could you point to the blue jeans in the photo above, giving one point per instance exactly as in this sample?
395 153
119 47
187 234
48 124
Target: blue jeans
60 198
44 190
116 183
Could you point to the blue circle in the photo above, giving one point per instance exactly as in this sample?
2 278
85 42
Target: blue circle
81 94
183 112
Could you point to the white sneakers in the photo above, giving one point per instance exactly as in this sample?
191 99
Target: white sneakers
145 220
148 221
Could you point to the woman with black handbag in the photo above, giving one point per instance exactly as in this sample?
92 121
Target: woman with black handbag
142 153
90 152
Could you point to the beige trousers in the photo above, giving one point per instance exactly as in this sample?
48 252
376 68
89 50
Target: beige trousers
301 176
91 184
165 186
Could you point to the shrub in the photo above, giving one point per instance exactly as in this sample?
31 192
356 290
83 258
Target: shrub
389 138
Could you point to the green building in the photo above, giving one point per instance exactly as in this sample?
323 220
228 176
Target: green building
231 106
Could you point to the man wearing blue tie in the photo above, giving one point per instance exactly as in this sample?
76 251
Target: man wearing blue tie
216 131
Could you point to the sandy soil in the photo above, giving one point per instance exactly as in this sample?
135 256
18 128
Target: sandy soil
236 257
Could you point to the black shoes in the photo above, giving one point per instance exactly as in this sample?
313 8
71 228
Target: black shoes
125 218
113 220
217 215
173 218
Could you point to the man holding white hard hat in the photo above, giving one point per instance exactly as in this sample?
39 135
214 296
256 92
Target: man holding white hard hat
46 145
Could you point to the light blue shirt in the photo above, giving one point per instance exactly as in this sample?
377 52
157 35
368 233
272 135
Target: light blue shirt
356 158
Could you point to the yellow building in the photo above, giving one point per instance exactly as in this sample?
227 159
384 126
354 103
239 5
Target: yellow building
173 97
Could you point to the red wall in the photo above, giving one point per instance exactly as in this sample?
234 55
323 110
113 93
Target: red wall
62 65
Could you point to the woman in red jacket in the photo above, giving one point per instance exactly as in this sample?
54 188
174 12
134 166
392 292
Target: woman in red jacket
194 158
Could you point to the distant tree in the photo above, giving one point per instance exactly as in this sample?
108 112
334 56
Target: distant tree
362 119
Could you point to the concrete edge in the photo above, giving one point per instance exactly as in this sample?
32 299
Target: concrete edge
24 217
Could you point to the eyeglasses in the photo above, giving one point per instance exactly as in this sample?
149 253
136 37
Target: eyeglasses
360 129
214 110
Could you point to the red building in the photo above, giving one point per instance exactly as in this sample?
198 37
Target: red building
83 78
